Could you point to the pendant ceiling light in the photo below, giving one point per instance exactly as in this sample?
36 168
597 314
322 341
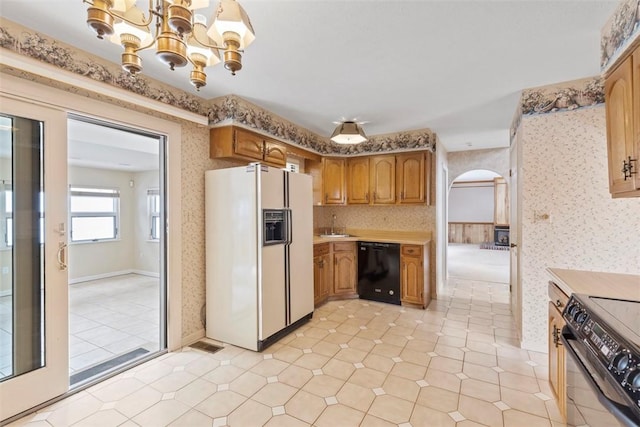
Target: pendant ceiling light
180 36
348 133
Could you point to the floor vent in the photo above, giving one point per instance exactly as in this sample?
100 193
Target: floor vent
210 348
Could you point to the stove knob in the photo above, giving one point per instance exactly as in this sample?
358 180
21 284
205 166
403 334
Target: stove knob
621 362
573 309
633 378
580 317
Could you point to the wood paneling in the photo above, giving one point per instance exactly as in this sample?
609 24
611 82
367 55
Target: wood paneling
501 202
470 232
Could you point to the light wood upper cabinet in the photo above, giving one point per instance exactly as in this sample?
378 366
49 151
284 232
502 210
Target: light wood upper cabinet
242 144
358 181
623 141
410 178
333 181
383 180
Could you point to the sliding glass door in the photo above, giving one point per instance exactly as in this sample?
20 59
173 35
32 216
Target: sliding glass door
33 256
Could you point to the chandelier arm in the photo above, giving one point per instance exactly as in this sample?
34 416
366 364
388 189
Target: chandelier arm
206 44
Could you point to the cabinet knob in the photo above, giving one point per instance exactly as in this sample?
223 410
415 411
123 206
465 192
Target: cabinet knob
559 303
366 196
627 168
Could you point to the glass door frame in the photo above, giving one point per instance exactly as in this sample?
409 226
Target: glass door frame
27 390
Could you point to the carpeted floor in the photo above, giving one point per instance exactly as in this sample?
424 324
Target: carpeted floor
468 261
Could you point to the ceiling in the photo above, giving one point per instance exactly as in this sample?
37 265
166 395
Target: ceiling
456 67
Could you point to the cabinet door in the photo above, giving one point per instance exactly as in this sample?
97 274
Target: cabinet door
412 275
620 136
248 144
358 181
326 277
275 154
333 181
383 179
410 181
344 272
636 113
556 357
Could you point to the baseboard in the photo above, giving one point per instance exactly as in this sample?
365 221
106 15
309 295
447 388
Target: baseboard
146 273
192 337
99 276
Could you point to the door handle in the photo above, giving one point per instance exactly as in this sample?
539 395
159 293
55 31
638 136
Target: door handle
62 264
513 245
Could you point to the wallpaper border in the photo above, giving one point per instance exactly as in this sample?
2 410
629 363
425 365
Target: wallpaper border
620 31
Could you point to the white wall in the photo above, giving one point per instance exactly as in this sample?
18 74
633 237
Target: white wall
147 252
471 202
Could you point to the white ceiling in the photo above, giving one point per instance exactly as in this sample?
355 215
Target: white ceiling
456 67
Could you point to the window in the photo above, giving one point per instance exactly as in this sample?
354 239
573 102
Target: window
94 213
7 214
153 201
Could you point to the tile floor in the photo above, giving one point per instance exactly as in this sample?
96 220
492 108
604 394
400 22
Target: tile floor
356 363
107 318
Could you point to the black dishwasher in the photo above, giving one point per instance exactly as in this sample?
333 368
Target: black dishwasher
379 271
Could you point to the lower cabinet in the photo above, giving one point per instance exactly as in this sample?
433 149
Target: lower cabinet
345 268
557 302
322 273
414 275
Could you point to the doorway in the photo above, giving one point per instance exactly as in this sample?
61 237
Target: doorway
116 244
478 227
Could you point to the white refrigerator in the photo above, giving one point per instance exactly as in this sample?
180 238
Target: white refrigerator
259 254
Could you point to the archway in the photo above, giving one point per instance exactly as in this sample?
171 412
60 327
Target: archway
478 228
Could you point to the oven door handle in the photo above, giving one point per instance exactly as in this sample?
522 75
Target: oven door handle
622 413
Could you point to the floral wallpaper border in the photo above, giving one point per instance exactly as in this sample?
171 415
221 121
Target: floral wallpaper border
241 111
26 42
619 31
561 97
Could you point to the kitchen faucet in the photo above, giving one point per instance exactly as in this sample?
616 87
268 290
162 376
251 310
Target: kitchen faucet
333 220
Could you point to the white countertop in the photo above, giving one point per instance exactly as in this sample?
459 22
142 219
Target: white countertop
595 283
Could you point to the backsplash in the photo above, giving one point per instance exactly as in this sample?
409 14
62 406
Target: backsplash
400 218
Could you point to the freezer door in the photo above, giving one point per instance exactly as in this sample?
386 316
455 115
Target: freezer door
301 247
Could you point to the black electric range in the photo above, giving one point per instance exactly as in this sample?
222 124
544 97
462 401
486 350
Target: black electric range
603 335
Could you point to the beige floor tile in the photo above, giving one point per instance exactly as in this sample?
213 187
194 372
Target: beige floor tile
356 397
481 373
469 423
379 363
247 360
423 346
338 369
269 368
191 419
514 418
387 350
303 342
448 351
519 382
326 348
480 390
513 353
162 413
175 381
409 371
223 374
74 411
443 380
295 376
250 414
138 401
338 338
285 421
439 399
482 347
195 392
349 330
368 378
220 404
153 372
317 333
401 387
452 341
339 415
423 416
371 333
517 366
311 361
202 366
525 402
553 412
305 406
480 411
371 421
416 357
479 358
351 355
323 385
391 408
117 390
395 340
274 394
247 384
287 354
446 364
107 418
361 344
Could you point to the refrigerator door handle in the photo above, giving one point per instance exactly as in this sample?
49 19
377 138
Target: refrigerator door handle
289 226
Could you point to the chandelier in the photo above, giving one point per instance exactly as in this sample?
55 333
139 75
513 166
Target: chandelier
348 133
180 35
